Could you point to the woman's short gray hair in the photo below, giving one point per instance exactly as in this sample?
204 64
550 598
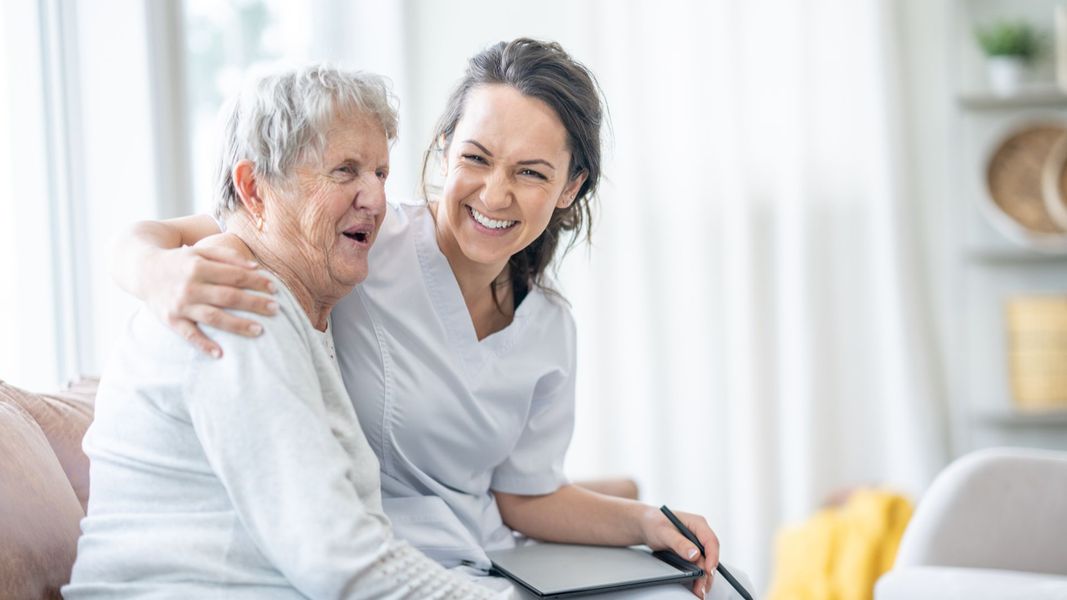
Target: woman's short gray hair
280 120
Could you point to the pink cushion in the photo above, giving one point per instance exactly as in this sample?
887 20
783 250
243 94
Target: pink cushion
63 417
39 512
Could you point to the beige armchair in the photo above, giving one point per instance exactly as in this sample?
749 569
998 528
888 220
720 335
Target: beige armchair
993 525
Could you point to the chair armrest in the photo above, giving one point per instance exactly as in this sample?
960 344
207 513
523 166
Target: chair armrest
1002 508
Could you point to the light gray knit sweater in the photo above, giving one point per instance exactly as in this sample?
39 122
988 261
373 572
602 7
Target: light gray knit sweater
245 477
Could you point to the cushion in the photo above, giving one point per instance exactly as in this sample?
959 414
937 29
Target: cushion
955 583
39 512
63 417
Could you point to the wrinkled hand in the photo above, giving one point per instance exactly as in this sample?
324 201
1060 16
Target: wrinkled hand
660 534
194 284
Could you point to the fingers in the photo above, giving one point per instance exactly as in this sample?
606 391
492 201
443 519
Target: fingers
210 271
708 539
700 528
681 546
236 299
192 334
700 587
193 286
224 320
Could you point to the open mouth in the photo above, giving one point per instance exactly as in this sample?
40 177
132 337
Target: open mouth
359 233
486 222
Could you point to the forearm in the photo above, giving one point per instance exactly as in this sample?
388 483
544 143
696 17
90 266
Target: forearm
136 251
572 514
136 248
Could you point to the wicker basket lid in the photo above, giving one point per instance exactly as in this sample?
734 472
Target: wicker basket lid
1014 178
1054 182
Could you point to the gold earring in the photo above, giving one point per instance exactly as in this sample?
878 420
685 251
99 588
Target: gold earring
259 222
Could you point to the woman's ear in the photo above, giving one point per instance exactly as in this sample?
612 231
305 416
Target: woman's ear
442 161
570 191
244 182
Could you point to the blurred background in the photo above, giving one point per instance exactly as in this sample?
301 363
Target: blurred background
827 252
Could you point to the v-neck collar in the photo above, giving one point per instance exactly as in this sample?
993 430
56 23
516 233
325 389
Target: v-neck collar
447 300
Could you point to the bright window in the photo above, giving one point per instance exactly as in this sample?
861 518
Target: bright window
29 347
222 40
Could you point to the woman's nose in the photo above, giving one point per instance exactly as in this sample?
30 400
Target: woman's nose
495 193
372 197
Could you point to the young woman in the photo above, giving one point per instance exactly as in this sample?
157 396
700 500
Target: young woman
468 352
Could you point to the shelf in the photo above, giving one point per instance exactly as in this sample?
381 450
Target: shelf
1044 96
1013 256
1046 418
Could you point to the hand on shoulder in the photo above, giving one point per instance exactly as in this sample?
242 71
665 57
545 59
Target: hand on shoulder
197 284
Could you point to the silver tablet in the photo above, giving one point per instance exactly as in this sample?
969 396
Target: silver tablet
568 570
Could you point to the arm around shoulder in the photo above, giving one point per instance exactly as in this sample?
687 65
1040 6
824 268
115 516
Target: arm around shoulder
187 285
133 252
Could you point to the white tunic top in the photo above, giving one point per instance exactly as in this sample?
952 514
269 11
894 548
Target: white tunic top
246 477
448 416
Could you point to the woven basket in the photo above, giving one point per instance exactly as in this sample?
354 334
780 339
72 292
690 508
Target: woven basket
1016 178
1037 351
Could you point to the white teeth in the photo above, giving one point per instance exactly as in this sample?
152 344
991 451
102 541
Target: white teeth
487 222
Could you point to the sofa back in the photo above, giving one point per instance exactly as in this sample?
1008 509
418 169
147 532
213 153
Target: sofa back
44 487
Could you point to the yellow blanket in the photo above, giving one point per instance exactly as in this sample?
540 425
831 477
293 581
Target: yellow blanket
841 552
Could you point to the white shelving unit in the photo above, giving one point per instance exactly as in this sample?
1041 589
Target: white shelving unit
1030 97
991 268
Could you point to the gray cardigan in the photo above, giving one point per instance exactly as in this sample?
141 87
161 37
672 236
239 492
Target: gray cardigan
244 477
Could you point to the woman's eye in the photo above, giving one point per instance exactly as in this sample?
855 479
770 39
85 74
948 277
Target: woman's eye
346 170
474 158
532 173
382 174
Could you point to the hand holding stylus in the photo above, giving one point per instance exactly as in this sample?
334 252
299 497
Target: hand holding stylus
693 538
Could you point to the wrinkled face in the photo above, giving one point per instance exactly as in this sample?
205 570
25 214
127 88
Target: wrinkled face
506 170
328 214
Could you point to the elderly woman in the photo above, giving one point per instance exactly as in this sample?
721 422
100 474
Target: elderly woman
250 477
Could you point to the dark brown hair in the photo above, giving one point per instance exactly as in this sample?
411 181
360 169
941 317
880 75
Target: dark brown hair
541 70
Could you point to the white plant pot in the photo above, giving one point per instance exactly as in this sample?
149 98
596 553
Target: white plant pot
1005 74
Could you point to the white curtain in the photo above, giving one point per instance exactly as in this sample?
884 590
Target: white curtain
755 331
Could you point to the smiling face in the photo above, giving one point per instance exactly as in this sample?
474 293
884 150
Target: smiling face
506 171
323 221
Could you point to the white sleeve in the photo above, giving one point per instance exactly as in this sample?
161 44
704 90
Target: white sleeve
535 465
260 417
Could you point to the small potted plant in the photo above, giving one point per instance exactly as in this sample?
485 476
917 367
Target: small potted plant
1010 47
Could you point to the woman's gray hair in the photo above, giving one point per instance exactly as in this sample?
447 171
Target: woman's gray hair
280 120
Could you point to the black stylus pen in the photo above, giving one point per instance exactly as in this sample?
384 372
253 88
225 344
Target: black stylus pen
692 538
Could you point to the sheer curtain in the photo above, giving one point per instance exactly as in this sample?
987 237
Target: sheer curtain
754 327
